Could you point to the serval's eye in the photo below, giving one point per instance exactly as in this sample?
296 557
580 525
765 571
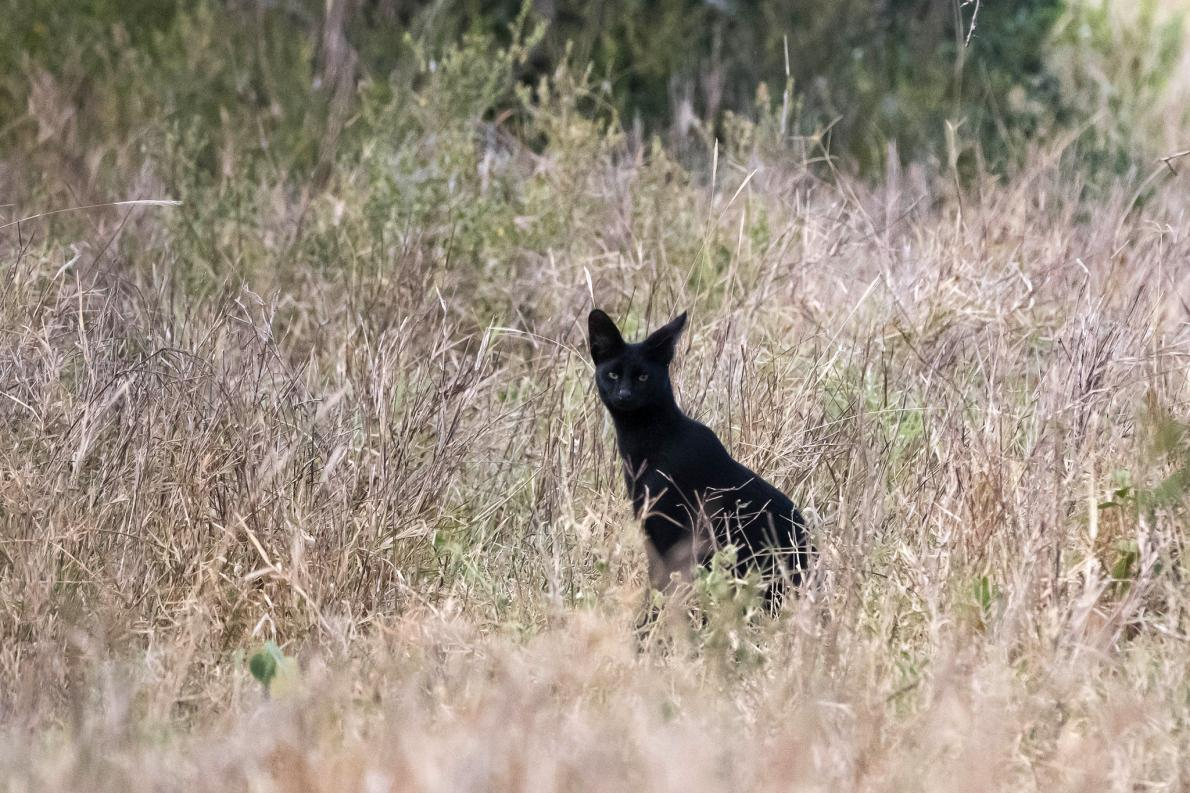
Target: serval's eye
642 377
612 376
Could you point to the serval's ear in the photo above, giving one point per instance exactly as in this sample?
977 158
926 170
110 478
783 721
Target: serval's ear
606 341
661 343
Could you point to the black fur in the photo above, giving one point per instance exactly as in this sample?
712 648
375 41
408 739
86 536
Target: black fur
692 496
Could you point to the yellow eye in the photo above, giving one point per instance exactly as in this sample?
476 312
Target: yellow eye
612 376
642 377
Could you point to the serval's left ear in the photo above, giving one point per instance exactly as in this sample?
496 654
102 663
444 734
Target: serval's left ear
605 339
661 343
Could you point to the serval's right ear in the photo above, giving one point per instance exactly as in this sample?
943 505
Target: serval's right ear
605 338
661 343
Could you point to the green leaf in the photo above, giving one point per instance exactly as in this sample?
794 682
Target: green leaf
263 666
277 672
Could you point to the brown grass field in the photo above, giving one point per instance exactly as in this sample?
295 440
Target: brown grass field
379 446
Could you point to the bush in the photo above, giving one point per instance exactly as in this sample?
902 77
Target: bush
859 79
867 72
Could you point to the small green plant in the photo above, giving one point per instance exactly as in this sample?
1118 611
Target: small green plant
984 597
727 604
276 671
1126 565
1133 503
715 584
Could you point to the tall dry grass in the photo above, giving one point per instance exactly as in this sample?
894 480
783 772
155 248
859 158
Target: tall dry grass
362 425
424 508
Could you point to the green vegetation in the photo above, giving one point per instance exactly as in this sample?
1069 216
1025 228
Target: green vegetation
284 86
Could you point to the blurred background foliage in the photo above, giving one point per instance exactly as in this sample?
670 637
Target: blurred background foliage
285 84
